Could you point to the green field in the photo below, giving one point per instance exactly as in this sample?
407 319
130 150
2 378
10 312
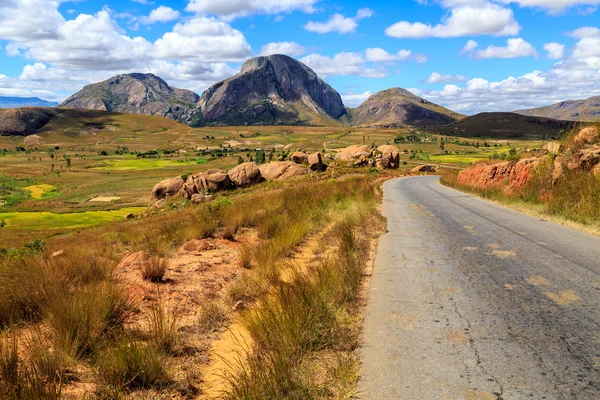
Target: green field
141 164
51 221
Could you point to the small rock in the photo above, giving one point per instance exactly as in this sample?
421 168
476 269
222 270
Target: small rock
129 216
58 253
423 169
300 157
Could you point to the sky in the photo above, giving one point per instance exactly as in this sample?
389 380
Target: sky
468 55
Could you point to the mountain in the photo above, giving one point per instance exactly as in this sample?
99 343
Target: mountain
397 107
138 94
15 102
503 126
273 90
575 110
25 121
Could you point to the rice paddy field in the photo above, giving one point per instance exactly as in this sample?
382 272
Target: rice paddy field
89 168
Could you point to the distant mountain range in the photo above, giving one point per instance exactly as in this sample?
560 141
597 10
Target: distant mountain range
278 90
14 102
587 110
399 107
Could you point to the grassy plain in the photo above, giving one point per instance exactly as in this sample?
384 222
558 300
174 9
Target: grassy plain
81 157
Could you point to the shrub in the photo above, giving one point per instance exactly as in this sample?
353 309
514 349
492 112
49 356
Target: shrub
81 320
212 317
154 269
132 365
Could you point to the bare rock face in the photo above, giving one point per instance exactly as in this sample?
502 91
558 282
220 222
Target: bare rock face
390 157
213 180
244 175
167 188
354 152
315 162
138 94
508 175
398 107
300 157
587 136
282 170
273 90
25 121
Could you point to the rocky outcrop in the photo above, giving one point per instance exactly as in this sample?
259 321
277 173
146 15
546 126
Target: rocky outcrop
138 94
300 157
423 169
282 170
315 162
398 107
25 121
508 175
353 153
167 188
273 90
213 180
244 175
390 157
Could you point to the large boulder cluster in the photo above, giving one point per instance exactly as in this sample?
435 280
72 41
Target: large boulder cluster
384 157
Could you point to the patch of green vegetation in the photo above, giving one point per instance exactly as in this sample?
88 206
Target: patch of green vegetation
13 191
141 164
48 221
41 190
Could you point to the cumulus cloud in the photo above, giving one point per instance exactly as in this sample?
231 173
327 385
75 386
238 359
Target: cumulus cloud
515 48
436 77
355 99
238 8
466 18
556 51
161 14
377 54
292 49
586 31
469 46
553 6
338 23
342 64
203 39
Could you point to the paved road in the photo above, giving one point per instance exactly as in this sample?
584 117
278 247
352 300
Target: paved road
469 300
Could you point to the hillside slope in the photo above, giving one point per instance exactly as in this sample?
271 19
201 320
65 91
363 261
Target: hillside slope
587 110
25 121
397 107
504 125
138 94
273 90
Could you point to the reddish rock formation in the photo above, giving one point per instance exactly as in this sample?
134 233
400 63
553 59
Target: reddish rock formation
508 175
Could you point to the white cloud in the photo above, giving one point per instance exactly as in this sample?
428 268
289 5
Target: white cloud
203 39
469 46
421 58
338 23
377 54
436 77
554 6
230 9
556 51
467 18
292 49
161 14
586 31
515 48
342 64
355 99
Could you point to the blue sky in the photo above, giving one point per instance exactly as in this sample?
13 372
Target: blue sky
469 55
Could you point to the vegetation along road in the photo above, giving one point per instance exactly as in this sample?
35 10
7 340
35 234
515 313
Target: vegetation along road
469 300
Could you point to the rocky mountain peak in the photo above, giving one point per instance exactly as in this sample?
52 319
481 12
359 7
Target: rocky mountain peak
270 90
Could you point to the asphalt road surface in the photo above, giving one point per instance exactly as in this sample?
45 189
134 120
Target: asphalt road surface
469 300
